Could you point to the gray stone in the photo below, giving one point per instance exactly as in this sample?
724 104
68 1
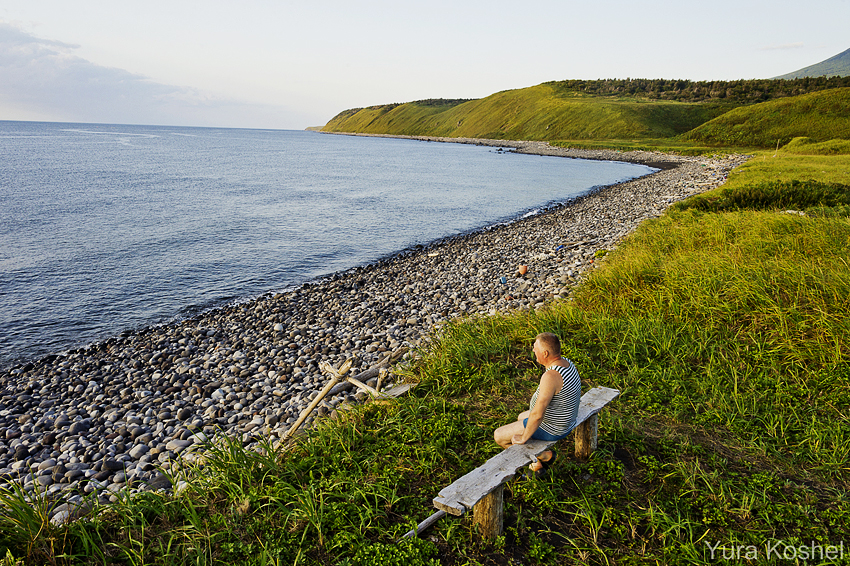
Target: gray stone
199 438
60 517
160 481
72 475
78 427
138 451
178 445
112 465
49 463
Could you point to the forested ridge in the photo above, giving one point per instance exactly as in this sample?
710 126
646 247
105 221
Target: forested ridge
734 92
744 91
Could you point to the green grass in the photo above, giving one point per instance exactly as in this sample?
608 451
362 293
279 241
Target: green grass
770 166
736 320
808 146
779 180
820 116
663 145
540 112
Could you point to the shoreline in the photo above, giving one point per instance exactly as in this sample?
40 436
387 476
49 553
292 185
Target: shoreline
648 158
520 147
100 419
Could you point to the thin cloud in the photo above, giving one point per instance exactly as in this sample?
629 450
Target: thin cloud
44 76
45 80
9 34
798 45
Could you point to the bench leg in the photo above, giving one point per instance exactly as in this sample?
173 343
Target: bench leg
488 513
586 437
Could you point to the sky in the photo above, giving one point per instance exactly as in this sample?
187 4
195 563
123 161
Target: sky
278 64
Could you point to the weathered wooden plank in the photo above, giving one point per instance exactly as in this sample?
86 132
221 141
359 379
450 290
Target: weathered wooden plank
594 401
468 490
374 371
464 493
336 375
371 390
382 375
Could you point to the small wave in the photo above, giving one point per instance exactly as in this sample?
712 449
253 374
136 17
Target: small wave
76 131
26 137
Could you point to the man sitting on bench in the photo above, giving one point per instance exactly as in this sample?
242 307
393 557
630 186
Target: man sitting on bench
554 406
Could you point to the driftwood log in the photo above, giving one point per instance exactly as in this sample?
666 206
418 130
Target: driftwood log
338 375
373 371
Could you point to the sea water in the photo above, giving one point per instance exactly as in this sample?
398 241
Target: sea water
107 228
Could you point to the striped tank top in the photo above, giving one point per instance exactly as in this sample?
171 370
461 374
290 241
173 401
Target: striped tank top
560 416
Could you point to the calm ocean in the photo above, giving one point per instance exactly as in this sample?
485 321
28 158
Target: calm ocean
106 228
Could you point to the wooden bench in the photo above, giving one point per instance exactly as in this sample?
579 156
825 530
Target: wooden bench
481 489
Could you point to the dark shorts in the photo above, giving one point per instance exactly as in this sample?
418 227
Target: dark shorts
541 434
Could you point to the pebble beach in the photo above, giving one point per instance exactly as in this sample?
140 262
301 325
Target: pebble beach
89 423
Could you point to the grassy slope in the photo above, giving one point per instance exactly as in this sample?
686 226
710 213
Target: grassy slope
821 116
536 113
545 112
801 174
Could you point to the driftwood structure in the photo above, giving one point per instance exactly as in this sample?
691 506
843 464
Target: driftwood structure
481 490
339 382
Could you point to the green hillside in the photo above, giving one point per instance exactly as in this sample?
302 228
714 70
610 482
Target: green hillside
820 116
542 112
655 113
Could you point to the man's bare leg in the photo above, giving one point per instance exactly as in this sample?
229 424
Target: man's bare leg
504 434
